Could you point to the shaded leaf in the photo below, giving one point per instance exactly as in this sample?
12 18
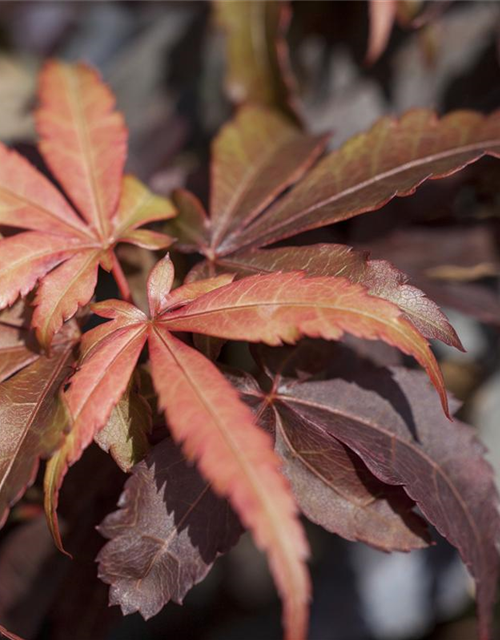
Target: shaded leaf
335 489
17 348
167 534
31 422
125 435
257 54
191 226
387 417
332 485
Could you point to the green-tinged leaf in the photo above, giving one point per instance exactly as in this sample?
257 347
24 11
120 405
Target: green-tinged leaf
255 158
392 159
125 435
257 55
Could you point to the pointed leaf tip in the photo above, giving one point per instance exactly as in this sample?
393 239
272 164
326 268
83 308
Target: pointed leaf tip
160 282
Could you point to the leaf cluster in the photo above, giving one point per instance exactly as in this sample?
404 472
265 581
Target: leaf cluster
315 428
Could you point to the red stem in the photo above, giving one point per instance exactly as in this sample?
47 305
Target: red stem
121 280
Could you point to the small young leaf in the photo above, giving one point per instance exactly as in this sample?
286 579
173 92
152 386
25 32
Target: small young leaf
125 435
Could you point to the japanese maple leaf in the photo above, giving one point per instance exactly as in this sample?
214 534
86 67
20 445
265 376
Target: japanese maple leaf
387 418
203 410
31 419
264 189
83 140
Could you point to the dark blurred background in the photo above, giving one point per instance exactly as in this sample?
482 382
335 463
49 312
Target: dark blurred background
166 63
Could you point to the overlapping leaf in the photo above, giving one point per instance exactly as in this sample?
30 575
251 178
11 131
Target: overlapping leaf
31 420
167 534
388 419
378 276
83 141
393 158
331 484
203 410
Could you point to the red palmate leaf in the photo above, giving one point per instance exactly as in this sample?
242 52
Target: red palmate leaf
257 54
167 534
331 484
217 430
392 159
388 419
379 276
281 308
83 140
203 410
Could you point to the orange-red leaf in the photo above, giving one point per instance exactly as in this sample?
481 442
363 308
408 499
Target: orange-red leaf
27 257
83 139
29 201
218 431
283 307
62 292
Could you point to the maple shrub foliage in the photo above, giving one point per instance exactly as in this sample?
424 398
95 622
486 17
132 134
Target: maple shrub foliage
315 428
